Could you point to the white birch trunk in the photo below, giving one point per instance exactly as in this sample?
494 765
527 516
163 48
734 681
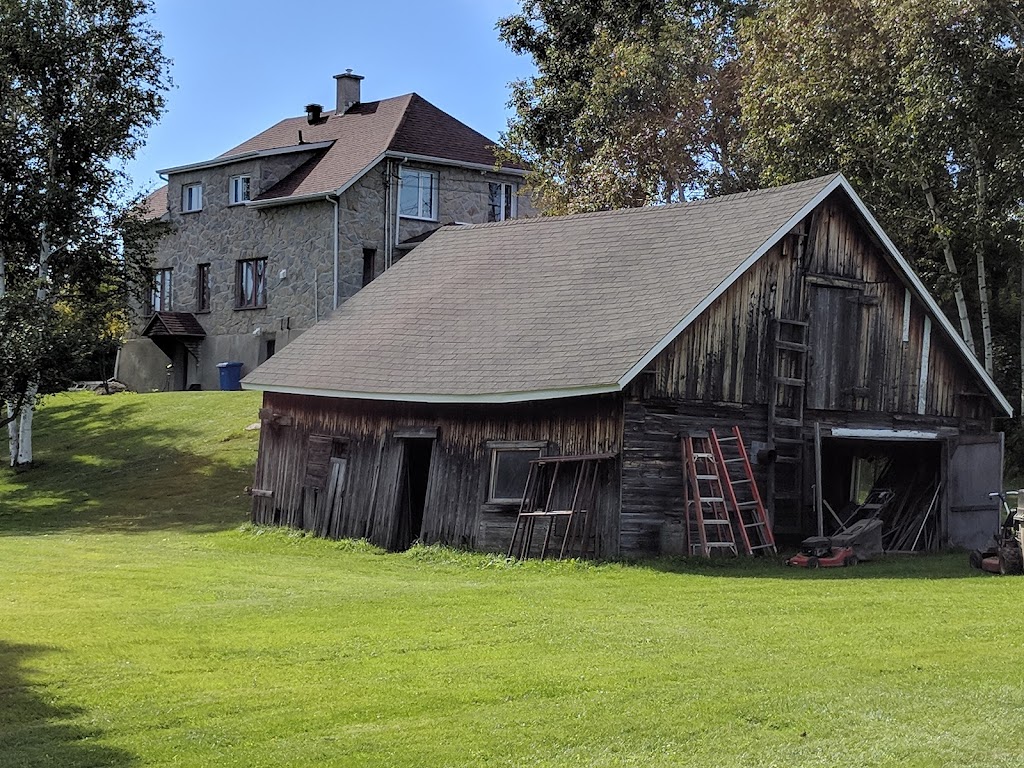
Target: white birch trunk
12 425
984 299
947 252
24 421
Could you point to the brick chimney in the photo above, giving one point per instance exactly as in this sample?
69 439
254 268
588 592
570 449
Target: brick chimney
348 90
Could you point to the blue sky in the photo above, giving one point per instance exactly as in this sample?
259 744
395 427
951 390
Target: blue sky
239 66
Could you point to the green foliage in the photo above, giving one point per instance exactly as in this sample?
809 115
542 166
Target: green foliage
144 625
634 102
901 96
80 82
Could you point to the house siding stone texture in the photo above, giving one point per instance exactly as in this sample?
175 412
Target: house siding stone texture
298 242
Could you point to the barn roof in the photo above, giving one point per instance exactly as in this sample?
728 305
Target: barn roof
541 308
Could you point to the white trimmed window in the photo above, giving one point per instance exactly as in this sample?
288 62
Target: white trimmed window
510 468
191 198
250 283
502 202
417 194
239 191
160 291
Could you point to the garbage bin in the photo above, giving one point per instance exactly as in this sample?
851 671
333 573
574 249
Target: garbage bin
230 376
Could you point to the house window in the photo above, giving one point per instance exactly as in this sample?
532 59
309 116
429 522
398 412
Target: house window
160 291
191 198
502 202
203 288
250 283
417 195
510 468
369 265
239 189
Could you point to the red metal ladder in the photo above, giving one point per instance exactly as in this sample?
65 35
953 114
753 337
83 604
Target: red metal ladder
742 493
706 512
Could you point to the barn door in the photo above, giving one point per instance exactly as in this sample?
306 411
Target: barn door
975 469
834 341
410 496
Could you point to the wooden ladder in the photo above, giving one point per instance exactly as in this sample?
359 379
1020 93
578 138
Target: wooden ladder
742 493
707 517
786 397
558 489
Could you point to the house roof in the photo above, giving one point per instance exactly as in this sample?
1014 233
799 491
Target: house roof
551 307
344 146
154 205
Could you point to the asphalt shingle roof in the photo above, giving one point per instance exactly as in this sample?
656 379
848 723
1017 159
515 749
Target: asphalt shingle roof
403 124
532 305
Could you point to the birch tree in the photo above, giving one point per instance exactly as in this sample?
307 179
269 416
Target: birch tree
921 105
81 82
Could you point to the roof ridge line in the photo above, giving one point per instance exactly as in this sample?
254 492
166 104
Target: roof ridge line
405 114
651 207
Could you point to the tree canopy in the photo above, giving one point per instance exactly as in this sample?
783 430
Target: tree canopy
634 102
80 82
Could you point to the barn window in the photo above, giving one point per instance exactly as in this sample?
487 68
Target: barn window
510 467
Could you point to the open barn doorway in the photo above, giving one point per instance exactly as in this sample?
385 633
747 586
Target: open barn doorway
411 500
901 482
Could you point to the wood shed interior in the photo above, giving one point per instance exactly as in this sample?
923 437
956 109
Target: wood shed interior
898 481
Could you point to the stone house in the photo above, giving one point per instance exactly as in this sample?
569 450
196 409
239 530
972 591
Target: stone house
265 240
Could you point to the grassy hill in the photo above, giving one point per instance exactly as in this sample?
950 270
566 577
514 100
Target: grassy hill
142 623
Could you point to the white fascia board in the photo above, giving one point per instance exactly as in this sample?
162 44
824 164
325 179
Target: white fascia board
722 287
926 298
456 163
276 201
403 397
254 154
884 434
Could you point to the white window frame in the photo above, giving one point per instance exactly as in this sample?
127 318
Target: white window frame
508 200
236 185
161 291
497 447
191 198
256 268
425 195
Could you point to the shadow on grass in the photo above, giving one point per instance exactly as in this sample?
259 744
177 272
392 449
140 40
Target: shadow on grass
947 565
131 463
35 731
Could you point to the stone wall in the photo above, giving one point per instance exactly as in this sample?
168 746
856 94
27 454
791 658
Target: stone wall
298 242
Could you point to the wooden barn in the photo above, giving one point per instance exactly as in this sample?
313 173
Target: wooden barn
416 411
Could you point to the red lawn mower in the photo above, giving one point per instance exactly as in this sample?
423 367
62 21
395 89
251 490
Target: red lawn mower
1005 557
860 541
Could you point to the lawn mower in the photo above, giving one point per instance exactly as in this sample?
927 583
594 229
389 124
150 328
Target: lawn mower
1005 557
860 541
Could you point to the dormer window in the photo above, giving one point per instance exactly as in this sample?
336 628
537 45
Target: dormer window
191 198
239 191
417 197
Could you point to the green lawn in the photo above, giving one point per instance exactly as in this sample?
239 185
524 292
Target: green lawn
142 623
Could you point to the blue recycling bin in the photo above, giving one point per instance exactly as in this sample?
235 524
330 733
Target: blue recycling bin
230 376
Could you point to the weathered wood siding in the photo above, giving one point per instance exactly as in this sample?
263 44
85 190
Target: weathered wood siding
837 279
652 470
830 272
456 513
